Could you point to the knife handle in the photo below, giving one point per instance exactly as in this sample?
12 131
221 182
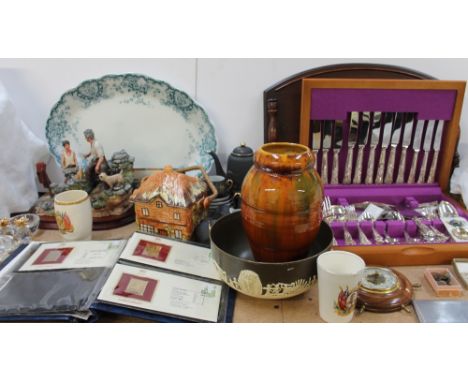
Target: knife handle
349 164
402 167
432 171
336 165
324 173
358 171
390 166
414 163
370 169
422 174
380 170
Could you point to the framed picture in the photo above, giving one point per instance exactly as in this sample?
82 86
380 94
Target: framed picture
151 250
53 256
132 286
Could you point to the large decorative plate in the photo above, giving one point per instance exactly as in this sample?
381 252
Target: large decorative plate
151 120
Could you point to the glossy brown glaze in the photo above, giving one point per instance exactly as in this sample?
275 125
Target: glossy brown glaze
281 202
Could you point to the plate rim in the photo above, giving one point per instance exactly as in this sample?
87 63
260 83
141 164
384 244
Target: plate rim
61 101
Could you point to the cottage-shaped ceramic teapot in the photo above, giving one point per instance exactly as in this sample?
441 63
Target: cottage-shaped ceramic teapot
171 203
239 162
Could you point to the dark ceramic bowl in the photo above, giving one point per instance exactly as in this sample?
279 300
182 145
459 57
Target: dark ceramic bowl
237 267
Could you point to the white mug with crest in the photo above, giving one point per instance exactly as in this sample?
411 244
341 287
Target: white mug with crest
74 215
339 278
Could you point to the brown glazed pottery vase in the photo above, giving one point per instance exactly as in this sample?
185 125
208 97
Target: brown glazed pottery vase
281 204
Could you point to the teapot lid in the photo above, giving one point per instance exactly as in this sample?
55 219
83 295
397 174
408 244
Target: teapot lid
242 151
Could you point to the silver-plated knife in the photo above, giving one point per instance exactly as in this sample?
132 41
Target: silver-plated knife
407 133
426 149
375 125
395 141
362 142
387 134
418 132
352 140
437 141
326 144
317 143
337 129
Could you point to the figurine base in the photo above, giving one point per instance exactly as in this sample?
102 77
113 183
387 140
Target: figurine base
99 224
102 219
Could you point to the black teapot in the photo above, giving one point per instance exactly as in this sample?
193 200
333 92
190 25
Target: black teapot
239 162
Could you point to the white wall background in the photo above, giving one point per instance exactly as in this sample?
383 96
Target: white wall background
230 90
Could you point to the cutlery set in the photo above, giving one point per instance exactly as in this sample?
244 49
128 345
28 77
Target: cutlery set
388 135
424 225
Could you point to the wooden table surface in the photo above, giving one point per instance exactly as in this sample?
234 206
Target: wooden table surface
303 308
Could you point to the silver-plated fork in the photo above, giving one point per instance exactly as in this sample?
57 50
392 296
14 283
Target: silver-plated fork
328 215
377 236
347 235
363 240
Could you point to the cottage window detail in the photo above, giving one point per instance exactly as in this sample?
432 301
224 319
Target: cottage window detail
177 215
145 211
178 234
158 204
146 228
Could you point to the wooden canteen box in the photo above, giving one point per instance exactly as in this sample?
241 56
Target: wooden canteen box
389 140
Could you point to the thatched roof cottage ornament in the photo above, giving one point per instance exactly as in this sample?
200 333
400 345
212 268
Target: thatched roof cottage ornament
172 203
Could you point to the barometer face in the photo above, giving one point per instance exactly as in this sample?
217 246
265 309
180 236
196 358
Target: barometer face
379 280
384 290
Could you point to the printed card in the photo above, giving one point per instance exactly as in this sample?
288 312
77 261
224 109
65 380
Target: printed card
161 292
74 254
170 254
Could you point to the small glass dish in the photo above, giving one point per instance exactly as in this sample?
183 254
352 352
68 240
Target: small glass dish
32 221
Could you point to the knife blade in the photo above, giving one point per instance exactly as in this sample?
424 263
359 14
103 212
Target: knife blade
426 148
352 140
326 144
437 142
375 132
407 134
363 138
316 141
418 133
395 141
337 136
387 135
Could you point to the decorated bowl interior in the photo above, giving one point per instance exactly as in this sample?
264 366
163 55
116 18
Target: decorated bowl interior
238 268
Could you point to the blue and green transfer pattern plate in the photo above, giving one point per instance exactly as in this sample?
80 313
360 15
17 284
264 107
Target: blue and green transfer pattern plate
152 121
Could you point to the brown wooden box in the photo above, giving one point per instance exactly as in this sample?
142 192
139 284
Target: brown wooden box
302 130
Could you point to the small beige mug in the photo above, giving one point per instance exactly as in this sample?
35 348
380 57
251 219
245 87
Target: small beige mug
339 277
73 214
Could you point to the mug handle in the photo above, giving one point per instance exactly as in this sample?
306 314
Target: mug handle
229 183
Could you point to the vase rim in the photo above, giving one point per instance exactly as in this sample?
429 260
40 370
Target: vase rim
294 148
284 157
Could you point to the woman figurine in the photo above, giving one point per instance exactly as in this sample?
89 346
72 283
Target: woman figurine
68 157
68 161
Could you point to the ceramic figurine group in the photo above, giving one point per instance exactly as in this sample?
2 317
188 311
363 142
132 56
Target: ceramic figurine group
108 182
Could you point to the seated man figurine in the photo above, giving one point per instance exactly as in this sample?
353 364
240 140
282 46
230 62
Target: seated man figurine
68 161
97 159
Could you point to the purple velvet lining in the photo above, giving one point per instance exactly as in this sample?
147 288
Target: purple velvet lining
404 197
335 104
